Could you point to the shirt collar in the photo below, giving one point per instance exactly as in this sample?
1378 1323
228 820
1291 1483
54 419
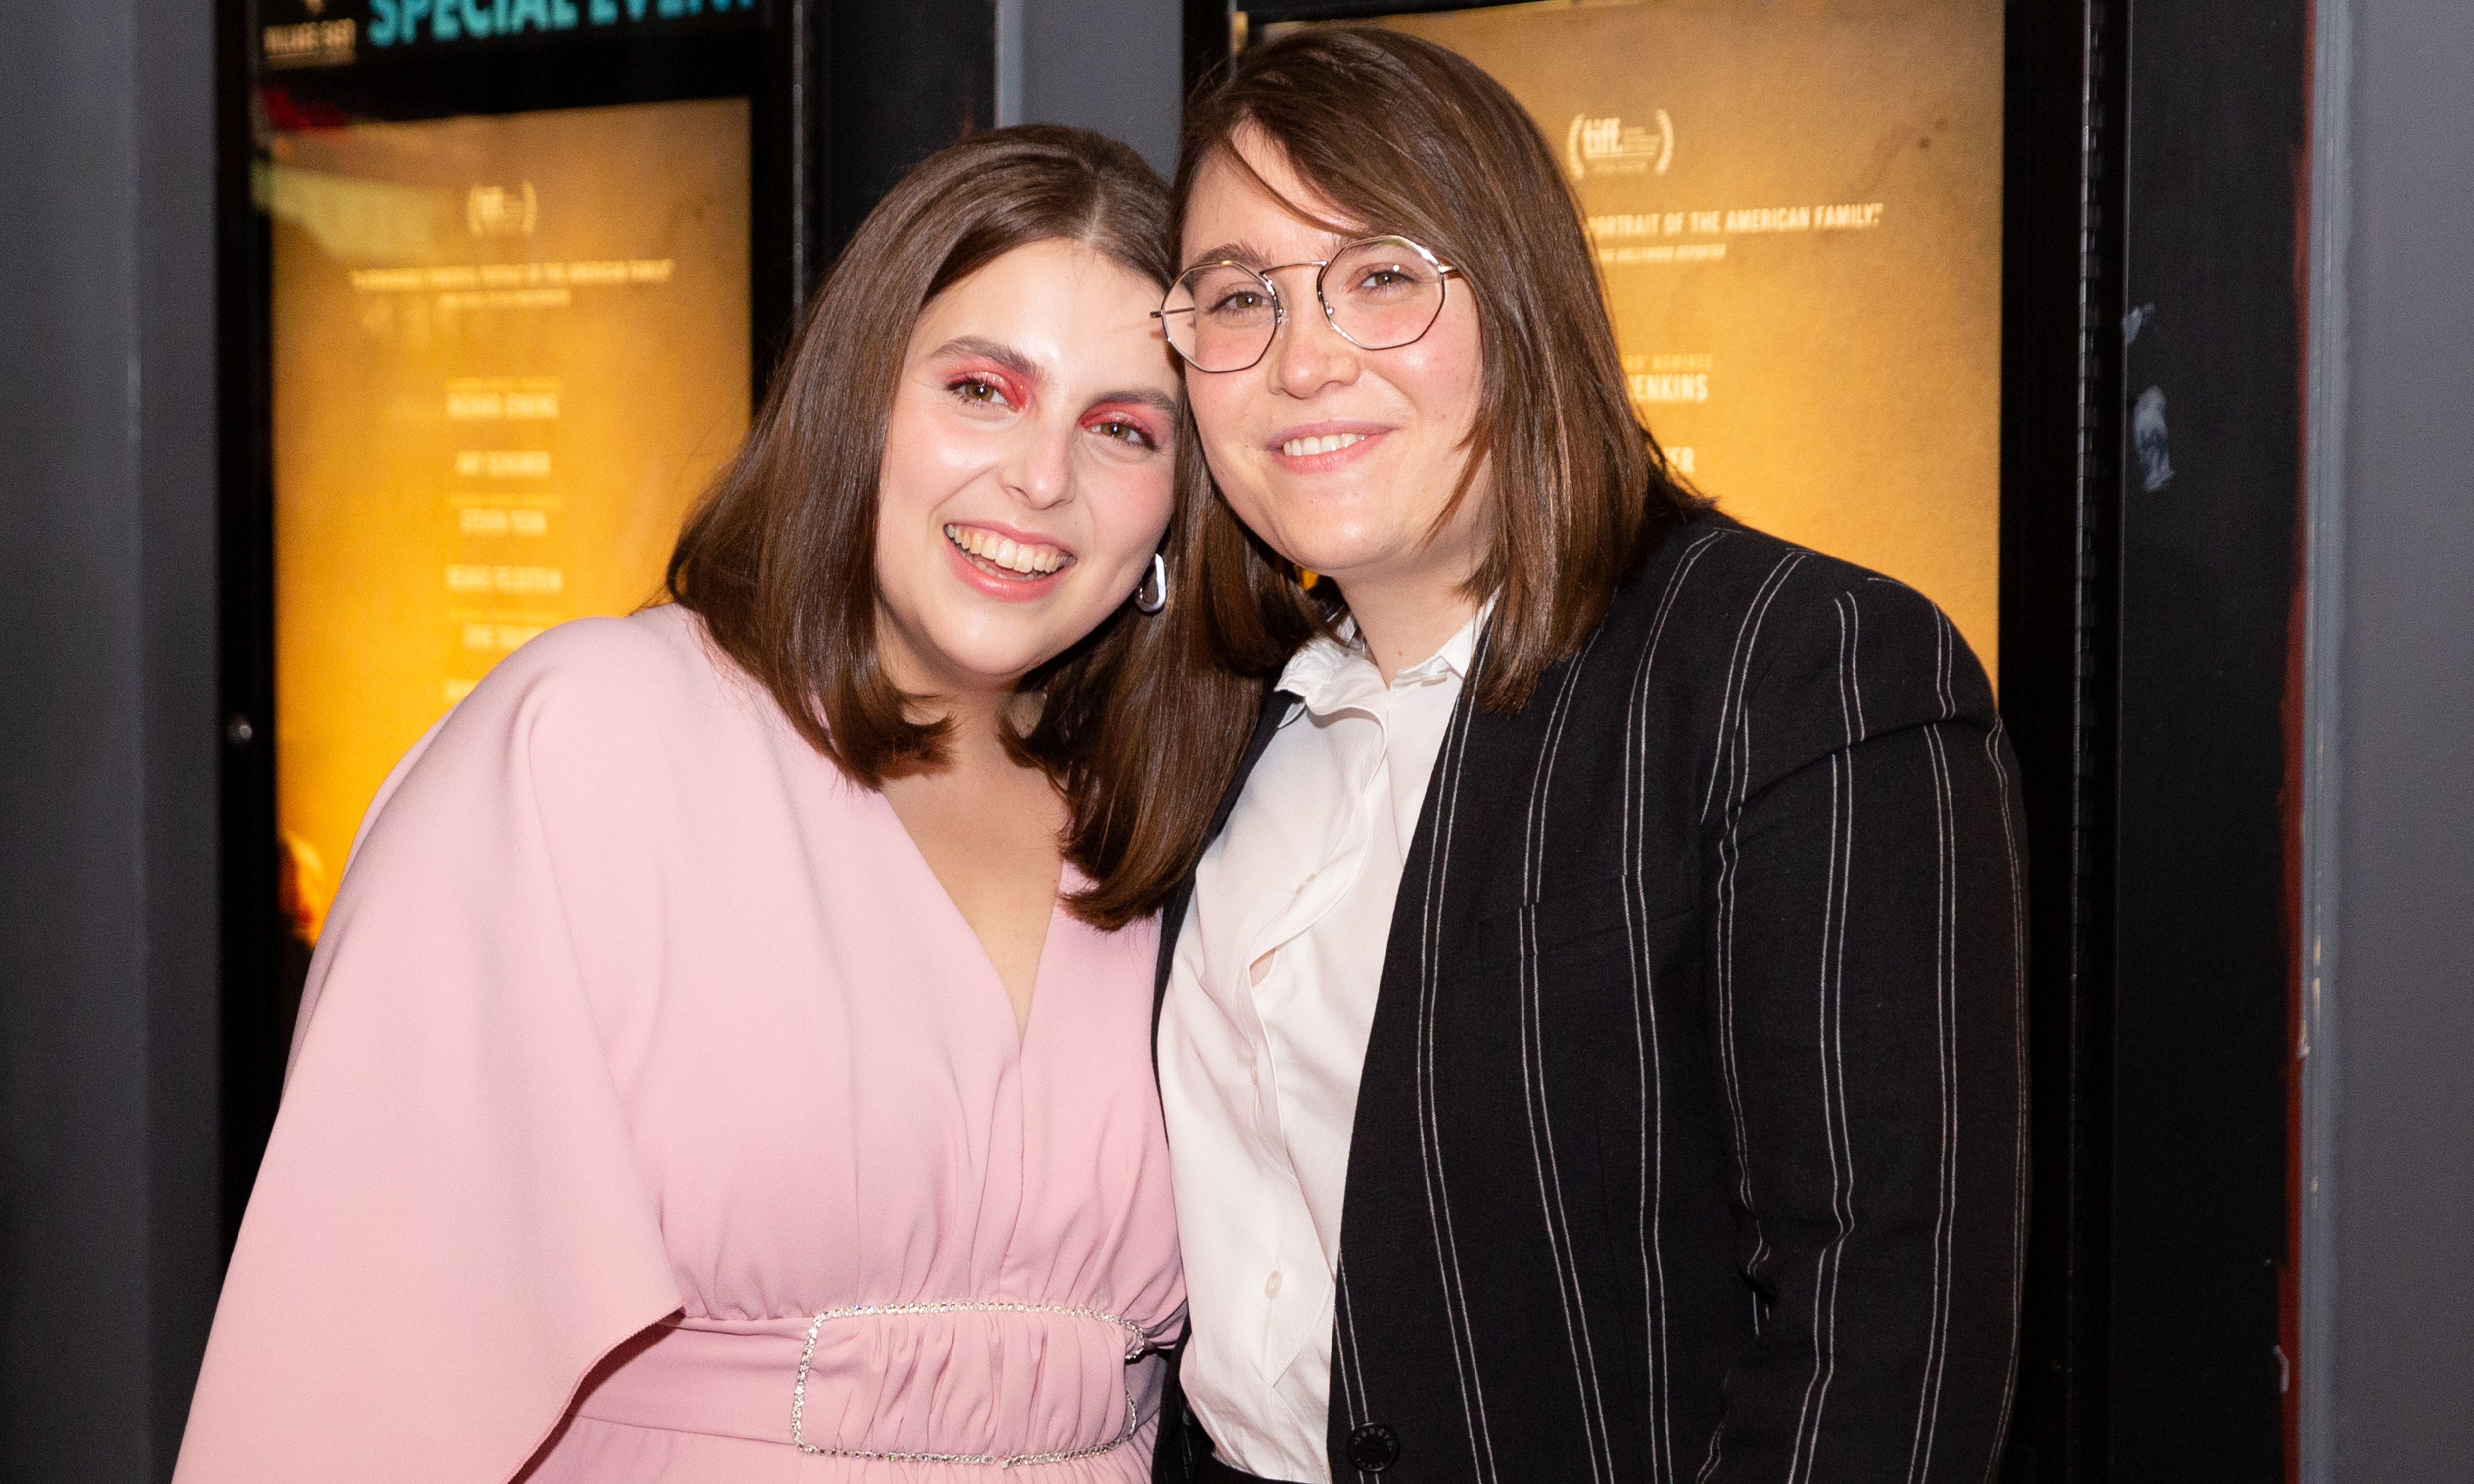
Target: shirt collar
1333 672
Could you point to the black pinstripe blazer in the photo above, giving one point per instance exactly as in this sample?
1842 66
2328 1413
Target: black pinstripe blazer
1690 1140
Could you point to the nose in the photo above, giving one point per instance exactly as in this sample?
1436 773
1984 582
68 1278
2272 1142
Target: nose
1307 355
1039 467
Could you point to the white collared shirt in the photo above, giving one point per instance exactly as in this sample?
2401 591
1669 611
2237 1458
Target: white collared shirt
1259 1078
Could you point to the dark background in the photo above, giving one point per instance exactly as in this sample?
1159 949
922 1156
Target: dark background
2254 802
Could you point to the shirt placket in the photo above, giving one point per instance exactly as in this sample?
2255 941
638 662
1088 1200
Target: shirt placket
1297 1281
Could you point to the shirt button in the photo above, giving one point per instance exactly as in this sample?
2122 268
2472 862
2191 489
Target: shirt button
1271 1286
1308 881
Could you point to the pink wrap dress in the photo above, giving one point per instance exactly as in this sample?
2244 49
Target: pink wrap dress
655 1115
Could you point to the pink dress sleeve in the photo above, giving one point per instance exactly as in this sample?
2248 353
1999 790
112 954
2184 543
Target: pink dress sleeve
450 1228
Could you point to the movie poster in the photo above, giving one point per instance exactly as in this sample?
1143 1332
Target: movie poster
508 353
1797 210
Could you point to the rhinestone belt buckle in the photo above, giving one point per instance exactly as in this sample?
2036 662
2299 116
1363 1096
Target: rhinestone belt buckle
1140 1344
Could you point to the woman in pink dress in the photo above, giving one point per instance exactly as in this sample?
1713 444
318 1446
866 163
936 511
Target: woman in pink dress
727 1058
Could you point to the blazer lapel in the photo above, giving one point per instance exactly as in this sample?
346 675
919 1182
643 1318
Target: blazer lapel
1432 922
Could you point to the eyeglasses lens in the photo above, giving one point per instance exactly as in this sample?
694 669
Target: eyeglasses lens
1227 320
1382 294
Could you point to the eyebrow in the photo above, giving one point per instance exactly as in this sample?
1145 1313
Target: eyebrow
1004 355
1230 252
1141 396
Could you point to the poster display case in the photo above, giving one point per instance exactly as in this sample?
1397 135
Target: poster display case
1857 256
501 282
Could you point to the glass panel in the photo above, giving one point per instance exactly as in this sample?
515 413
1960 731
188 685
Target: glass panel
509 352
1797 207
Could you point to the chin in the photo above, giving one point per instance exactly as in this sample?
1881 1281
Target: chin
966 657
992 669
1336 555
1325 532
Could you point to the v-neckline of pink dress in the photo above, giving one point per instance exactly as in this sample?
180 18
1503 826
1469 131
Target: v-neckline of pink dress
1068 880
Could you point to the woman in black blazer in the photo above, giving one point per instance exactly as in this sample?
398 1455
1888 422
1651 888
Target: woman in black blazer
1688 1139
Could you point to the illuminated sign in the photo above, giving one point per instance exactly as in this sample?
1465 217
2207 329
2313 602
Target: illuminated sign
332 32
1797 211
394 21
508 353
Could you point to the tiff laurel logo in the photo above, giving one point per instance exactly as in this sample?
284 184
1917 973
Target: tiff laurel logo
1609 146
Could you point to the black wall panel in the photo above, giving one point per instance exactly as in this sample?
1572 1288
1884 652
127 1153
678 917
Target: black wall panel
2204 940
109 1258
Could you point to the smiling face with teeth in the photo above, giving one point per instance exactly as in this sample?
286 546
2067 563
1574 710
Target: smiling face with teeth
1342 459
1028 468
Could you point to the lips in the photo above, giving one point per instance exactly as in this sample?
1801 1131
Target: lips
1007 556
1323 447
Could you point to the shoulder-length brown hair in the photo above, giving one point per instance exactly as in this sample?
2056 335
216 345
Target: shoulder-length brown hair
780 558
1406 138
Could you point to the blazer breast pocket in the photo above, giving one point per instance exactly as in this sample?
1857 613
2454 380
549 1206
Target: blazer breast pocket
1569 980
1594 918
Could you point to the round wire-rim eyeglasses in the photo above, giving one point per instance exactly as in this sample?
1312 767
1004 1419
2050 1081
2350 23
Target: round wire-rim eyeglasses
1169 311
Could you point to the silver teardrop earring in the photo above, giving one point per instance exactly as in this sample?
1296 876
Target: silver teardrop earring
1152 595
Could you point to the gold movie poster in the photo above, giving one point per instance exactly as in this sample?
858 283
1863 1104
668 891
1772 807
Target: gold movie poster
508 354
1797 209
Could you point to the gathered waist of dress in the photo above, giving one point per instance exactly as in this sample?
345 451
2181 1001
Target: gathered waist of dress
954 1381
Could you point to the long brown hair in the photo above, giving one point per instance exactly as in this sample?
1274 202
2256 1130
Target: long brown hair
780 558
1406 138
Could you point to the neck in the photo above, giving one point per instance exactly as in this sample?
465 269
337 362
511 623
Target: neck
945 693
974 743
1403 623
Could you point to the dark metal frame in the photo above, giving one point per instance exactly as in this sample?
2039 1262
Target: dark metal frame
2061 514
2150 677
2203 915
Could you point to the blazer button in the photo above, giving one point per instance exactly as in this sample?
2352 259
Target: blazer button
1373 1446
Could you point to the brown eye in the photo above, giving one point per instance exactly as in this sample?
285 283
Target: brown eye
981 391
1239 304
